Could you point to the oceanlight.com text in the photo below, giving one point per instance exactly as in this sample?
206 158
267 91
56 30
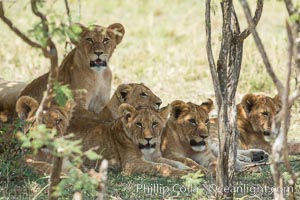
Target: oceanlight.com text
208 189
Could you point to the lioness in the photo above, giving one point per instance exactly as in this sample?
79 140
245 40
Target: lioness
131 142
190 139
86 67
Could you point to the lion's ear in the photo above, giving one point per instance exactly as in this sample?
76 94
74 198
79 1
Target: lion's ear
277 100
248 102
122 91
127 111
78 31
208 105
165 111
118 30
179 108
26 107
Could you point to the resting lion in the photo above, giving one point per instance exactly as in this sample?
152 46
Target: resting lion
55 117
132 142
256 114
86 67
190 139
132 93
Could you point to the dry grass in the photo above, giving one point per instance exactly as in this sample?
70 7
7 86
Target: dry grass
164 46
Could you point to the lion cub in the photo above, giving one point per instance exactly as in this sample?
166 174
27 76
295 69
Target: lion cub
55 117
256 113
191 137
185 137
86 67
131 142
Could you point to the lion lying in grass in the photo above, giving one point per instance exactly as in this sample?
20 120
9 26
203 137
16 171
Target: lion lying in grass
191 138
131 142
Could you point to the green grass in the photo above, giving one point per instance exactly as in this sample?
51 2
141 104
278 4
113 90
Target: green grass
164 47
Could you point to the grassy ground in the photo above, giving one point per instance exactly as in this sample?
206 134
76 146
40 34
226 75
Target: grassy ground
164 47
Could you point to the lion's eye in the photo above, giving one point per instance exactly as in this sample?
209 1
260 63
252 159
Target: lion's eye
154 124
90 40
139 124
105 40
206 121
265 113
144 94
193 122
58 121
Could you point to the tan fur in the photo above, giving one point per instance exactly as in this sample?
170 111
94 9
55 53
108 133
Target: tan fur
54 117
133 93
124 141
185 138
190 137
9 93
80 69
255 116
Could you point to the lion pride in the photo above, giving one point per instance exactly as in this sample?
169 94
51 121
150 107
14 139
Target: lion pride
86 67
131 142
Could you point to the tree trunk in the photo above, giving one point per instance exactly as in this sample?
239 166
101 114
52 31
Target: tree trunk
225 79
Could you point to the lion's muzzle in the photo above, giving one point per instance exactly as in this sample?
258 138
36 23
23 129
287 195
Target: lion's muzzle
98 63
147 146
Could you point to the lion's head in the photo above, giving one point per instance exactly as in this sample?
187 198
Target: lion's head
260 111
96 44
192 123
54 117
143 126
137 95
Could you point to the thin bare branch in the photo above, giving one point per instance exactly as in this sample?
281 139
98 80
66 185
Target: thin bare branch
40 15
290 7
101 178
265 164
210 56
258 12
16 30
261 48
55 177
68 11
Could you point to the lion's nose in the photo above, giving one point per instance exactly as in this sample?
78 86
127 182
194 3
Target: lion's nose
267 133
158 103
148 139
203 136
98 53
